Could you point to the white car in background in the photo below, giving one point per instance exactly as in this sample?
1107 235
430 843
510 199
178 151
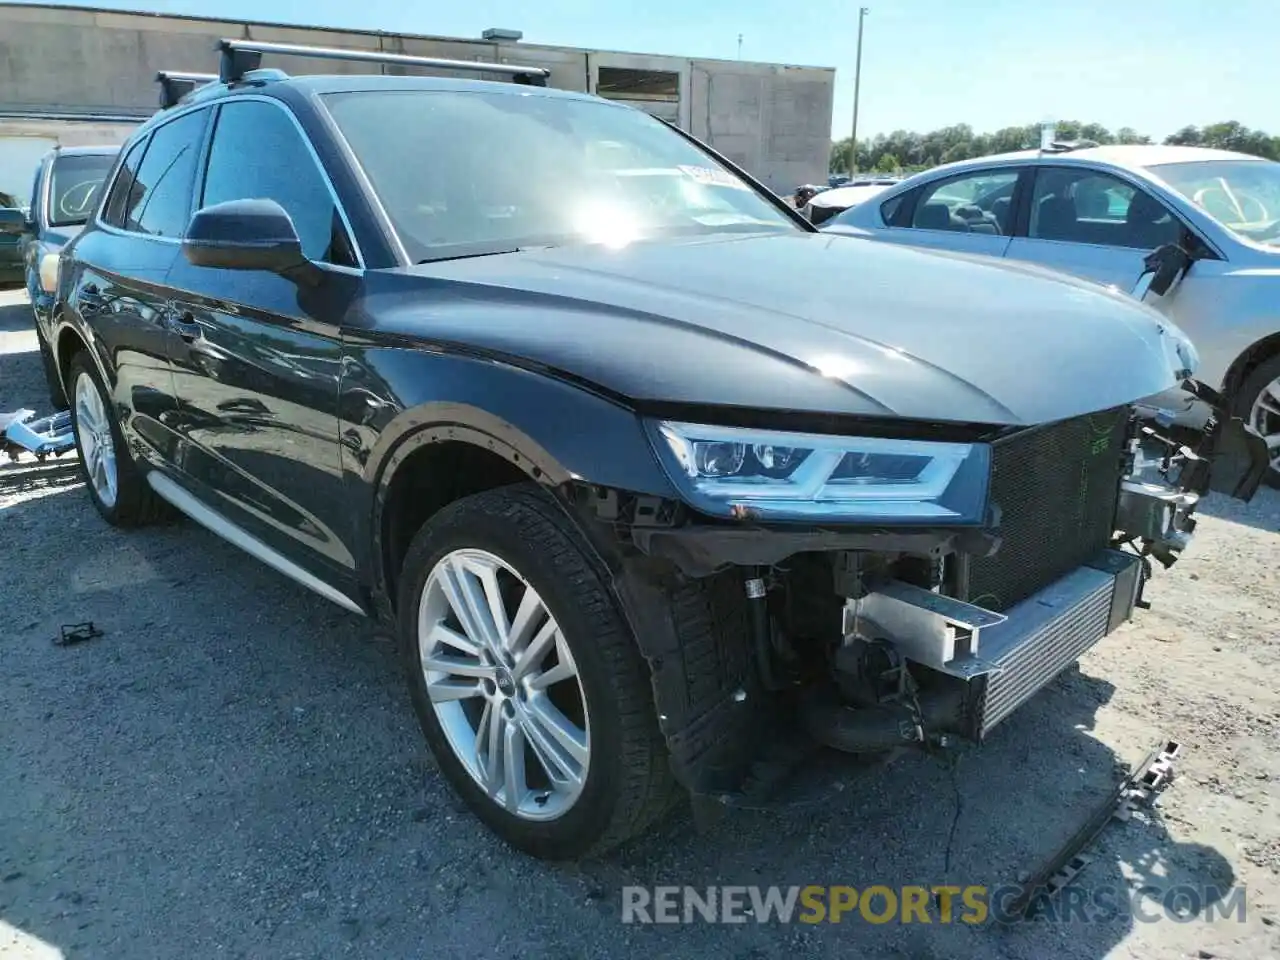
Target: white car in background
1097 212
825 205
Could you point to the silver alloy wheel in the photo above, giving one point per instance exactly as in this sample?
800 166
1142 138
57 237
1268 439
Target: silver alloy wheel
93 431
504 685
1265 418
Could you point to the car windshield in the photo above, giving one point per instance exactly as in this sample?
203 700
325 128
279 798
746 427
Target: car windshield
464 173
76 187
1242 195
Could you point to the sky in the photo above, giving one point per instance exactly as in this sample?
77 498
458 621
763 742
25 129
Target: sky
1155 65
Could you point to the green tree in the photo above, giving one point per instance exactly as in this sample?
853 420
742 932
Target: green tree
1130 135
1188 136
909 150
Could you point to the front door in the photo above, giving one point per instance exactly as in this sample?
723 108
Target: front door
1094 225
258 362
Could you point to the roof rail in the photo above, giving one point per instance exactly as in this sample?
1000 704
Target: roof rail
241 56
175 84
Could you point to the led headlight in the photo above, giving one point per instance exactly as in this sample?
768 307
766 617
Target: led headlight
732 471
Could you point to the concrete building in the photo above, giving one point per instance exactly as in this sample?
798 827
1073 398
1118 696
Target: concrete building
63 65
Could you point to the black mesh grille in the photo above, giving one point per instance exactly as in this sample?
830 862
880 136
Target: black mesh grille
1056 487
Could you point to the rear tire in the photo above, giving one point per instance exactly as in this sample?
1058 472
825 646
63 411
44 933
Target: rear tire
118 489
514 547
1257 402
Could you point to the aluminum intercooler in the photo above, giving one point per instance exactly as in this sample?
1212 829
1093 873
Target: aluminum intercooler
1005 658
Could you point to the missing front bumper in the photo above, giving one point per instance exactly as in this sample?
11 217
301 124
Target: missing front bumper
1002 660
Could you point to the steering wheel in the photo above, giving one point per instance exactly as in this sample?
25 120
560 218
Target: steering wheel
78 200
1238 207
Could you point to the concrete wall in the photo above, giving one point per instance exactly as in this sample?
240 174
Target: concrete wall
774 120
24 142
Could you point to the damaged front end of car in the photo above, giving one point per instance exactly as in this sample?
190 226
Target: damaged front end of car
874 593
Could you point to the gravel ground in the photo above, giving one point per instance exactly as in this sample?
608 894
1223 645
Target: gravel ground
234 770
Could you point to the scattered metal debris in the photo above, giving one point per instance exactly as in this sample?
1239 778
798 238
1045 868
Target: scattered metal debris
1140 788
44 437
73 633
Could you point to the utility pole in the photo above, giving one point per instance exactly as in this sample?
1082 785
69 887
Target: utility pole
739 46
857 84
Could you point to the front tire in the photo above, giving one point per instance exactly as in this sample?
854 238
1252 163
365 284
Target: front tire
527 682
116 486
1258 404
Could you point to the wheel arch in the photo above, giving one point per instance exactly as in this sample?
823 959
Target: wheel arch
68 341
1249 360
71 336
433 466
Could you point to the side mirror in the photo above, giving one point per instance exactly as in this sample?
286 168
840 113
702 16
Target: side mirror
247 235
1161 267
13 222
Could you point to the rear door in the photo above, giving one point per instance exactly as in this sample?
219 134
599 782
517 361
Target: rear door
971 212
119 288
258 365
1093 224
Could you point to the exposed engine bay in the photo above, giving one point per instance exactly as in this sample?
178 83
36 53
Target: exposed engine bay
869 640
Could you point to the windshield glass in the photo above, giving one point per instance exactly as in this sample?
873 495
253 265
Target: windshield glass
464 173
1242 195
76 186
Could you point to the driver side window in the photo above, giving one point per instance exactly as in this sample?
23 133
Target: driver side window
258 153
978 202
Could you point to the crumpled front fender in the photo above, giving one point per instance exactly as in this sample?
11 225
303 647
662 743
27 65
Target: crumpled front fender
1188 445
1211 449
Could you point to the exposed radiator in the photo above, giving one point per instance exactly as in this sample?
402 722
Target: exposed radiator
1056 487
1048 632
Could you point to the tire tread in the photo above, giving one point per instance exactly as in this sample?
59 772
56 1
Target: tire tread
646 788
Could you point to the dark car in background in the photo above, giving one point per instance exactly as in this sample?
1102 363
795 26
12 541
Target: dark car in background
67 188
10 243
642 514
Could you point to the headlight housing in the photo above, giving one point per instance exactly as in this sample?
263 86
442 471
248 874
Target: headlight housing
772 475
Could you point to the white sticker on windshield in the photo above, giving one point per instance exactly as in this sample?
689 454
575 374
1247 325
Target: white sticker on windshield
712 177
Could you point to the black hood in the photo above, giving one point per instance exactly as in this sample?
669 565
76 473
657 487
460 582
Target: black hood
797 321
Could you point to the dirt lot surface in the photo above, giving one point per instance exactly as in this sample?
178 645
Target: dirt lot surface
234 770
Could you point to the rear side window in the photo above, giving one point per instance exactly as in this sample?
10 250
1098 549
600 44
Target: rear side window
978 202
125 192
258 153
164 180
891 209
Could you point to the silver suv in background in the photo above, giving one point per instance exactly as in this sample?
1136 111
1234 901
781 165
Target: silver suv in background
1098 212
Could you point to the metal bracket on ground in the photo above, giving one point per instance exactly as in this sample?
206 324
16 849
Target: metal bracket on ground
1141 788
47 436
73 633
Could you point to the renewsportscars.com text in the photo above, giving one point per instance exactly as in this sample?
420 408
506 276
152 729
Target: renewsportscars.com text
940 904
